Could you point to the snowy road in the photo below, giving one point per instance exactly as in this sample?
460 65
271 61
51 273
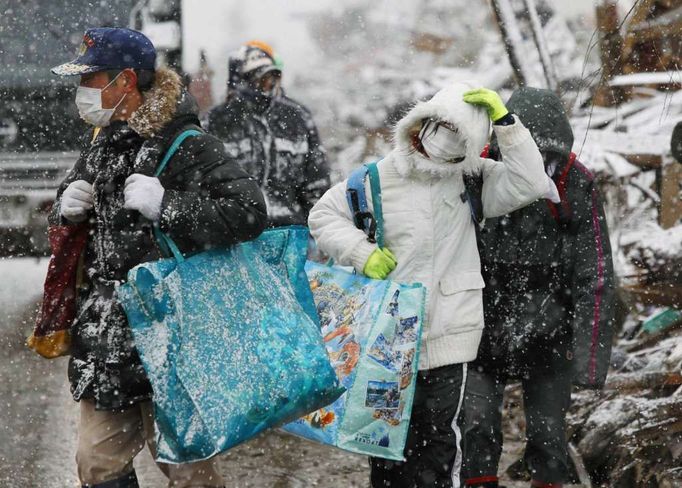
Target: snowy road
38 417
35 418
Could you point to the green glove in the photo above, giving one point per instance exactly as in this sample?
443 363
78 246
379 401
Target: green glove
489 100
380 264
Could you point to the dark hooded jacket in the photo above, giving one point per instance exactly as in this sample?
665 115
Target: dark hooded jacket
548 268
276 142
208 202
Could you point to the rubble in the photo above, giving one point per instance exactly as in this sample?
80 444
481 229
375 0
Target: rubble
631 433
655 256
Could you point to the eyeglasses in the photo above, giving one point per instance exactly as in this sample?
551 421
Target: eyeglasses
431 126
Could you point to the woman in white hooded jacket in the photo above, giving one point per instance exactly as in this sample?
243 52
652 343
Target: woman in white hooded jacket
430 233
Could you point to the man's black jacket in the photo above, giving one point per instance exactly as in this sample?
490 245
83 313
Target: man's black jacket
208 202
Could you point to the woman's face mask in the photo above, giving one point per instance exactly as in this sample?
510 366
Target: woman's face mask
442 143
89 103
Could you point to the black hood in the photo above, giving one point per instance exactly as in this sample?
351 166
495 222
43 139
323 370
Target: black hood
542 112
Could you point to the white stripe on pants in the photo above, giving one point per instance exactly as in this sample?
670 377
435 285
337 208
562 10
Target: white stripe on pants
457 466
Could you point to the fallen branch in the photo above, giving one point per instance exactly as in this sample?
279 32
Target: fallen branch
627 382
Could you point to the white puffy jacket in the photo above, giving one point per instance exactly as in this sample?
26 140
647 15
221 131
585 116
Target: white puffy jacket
427 225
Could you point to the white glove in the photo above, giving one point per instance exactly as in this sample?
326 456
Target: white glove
144 194
76 201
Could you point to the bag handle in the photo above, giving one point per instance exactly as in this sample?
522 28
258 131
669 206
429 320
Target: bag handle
174 148
162 238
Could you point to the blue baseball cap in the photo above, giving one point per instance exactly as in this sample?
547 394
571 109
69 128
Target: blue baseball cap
106 48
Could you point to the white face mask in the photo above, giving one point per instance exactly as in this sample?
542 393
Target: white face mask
89 103
442 144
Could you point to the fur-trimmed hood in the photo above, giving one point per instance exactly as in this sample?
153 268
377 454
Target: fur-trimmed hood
162 103
447 105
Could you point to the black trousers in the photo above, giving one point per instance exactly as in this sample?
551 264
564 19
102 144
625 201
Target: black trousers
432 449
546 399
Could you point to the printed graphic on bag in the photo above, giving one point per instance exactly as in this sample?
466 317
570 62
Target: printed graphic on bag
381 352
390 416
371 330
393 308
379 437
406 374
320 418
406 331
383 394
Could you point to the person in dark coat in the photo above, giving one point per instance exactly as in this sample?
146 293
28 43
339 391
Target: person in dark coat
202 200
548 306
273 137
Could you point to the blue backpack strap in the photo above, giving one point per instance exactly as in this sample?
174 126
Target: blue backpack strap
363 218
357 201
165 242
375 186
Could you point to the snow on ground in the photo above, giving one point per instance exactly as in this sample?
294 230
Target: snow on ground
38 418
21 284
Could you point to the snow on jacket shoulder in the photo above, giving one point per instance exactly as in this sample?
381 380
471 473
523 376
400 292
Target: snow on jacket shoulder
208 202
280 148
428 225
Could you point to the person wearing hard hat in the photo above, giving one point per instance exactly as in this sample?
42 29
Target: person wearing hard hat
273 137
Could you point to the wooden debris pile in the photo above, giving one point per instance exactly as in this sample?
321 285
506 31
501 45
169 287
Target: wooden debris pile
656 264
630 434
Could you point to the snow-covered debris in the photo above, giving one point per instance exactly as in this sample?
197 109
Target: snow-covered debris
655 78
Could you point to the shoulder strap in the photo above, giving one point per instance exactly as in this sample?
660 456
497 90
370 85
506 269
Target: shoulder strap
356 197
370 223
174 148
375 186
473 195
167 244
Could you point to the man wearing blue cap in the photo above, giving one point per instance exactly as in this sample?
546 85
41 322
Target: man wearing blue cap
202 200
